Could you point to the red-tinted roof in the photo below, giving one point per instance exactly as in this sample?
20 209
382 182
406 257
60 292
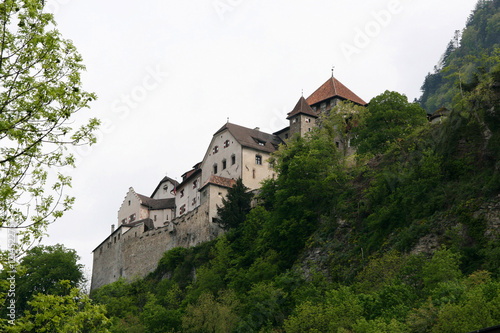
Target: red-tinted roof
220 181
302 107
333 88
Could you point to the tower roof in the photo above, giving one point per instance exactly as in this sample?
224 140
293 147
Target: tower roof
333 88
302 107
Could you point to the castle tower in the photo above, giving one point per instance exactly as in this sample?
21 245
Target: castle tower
329 94
302 118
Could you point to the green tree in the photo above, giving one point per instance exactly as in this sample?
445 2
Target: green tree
73 312
444 266
41 270
391 118
235 206
40 91
210 314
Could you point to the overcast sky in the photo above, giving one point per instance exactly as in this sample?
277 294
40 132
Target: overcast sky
169 73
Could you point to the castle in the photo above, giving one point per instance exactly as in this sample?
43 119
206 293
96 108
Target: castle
184 214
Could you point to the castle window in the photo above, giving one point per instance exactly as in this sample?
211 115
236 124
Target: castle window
124 221
215 150
132 218
224 164
155 218
337 144
253 173
258 159
233 159
182 210
294 120
308 120
114 240
195 183
165 188
194 202
286 136
215 168
129 202
182 193
226 143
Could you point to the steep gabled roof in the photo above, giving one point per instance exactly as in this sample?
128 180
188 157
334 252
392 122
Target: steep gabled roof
164 180
252 138
333 88
302 108
156 203
220 181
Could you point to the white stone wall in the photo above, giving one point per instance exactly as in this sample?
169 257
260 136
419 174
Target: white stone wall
164 193
131 205
233 148
253 174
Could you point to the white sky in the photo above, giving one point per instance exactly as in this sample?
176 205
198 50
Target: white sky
169 73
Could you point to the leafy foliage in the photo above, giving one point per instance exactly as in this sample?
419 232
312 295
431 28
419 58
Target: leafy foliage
40 91
400 237
40 272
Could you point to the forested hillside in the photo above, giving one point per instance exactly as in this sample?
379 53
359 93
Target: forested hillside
401 237
467 54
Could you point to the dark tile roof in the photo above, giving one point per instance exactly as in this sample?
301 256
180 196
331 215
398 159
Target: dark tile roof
282 130
156 203
220 181
164 180
252 138
302 107
333 88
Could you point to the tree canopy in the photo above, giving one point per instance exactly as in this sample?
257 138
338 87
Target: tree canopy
40 271
391 117
40 91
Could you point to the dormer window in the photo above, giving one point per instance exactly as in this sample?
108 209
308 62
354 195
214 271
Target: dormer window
260 142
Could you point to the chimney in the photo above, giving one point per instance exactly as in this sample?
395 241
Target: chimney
112 228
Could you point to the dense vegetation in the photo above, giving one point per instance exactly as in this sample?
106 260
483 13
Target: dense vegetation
467 55
401 237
